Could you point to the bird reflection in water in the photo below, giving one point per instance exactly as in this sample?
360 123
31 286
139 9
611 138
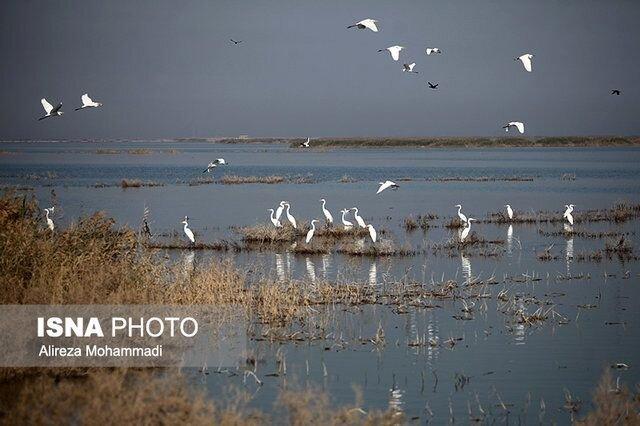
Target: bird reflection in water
466 268
311 270
373 273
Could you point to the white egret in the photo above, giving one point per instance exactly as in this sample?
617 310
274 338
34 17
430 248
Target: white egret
387 184
50 110
274 220
212 165
517 124
188 232
358 218
567 213
347 224
526 60
394 51
311 231
462 217
279 209
509 211
290 217
372 233
327 213
366 23
87 102
409 68
305 144
49 220
467 229
433 50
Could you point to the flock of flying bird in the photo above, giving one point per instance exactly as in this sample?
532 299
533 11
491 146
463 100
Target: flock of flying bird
394 51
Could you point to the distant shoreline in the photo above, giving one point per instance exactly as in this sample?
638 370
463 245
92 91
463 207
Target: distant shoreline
441 142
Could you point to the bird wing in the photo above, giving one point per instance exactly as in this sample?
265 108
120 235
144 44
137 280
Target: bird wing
86 100
395 53
369 23
526 61
520 126
384 186
373 234
46 105
57 108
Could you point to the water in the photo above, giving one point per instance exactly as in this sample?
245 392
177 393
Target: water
497 358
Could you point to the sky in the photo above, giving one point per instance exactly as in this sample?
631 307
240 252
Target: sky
167 69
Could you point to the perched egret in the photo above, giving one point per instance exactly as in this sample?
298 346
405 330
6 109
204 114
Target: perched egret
347 224
433 50
212 165
311 231
49 221
462 217
50 110
432 85
279 209
358 218
517 124
394 51
509 211
372 232
87 102
526 60
274 220
188 232
409 68
305 144
615 92
327 213
290 217
366 23
567 213
387 184
467 229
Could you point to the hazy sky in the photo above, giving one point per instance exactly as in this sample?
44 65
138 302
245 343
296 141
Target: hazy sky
167 68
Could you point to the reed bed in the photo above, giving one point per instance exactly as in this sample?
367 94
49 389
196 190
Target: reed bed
618 213
481 179
136 183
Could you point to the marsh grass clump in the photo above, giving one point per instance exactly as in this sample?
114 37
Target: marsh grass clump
136 183
346 179
239 180
267 233
201 181
364 247
612 404
139 151
454 223
108 151
421 221
620 246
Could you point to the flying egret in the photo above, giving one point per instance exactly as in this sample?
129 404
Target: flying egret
517 124
372 232
358 218
394 51
87 102
526 60
236 42
290 217
366 23
305 144
212 165
311 231
409 68
467 229
567 213
327 213
188 232
279 209
615 92
433 50
387 184
432 86
50 110
49 221
274 220
509 211
462 217
347 224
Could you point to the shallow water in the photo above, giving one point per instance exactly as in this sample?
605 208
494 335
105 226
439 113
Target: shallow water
498 356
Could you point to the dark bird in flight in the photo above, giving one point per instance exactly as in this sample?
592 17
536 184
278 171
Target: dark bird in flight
235 42
432 86
615 92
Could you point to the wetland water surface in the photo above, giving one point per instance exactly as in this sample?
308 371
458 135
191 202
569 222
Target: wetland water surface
479 349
